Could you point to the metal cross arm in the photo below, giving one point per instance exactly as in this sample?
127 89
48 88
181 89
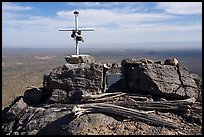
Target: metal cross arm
76 32
72 29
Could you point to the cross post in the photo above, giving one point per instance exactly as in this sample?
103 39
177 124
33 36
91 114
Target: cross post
76 32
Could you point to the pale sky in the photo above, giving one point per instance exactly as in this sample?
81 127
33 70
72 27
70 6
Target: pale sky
117 24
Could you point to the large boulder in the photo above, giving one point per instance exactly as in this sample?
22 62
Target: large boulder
77 77
32 96
35 95
173 81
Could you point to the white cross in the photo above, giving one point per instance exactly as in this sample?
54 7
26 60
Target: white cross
76 29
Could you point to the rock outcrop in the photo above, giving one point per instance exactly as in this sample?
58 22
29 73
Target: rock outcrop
77 77
32 120
69 81
51 109
172 81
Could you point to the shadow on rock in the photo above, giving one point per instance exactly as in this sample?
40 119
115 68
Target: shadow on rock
58 127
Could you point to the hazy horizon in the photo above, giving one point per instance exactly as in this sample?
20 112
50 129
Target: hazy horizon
191 57
136 46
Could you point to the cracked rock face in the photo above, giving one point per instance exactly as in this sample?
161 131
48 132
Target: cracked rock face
77 77
173 81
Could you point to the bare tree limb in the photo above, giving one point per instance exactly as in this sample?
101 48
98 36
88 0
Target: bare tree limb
122 111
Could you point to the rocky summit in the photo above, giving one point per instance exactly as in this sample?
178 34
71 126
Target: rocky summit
83 97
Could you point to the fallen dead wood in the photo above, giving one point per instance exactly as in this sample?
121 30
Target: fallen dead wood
143 102
111 96
136 97
180 105
121 111
156 105
132 106
89 96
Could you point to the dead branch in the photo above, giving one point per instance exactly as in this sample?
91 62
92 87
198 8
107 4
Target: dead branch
111 96
143 102
122 111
